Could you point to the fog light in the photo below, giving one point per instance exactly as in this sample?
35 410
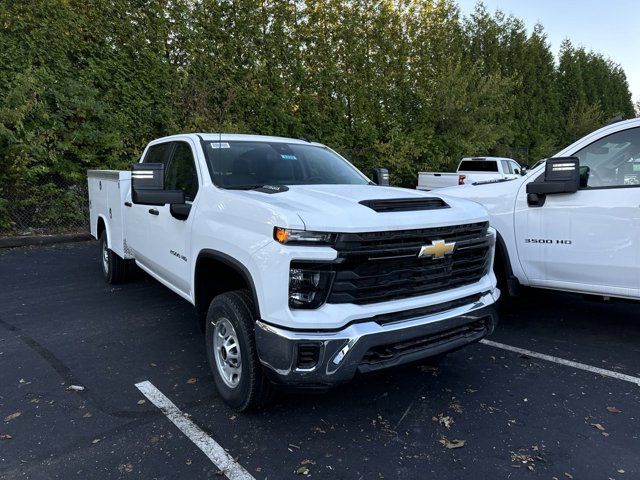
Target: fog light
308 355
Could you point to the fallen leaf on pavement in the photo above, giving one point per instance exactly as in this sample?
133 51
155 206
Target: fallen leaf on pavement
191 381
598 426
613 410
568 475
142 402
302 471
5 436
8 418
444 420
75 388
96 440
450 444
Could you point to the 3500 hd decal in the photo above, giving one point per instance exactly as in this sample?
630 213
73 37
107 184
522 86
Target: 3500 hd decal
547 241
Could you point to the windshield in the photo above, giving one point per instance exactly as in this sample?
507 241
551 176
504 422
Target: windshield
247 165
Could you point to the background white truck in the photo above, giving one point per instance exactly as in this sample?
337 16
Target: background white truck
471 170
302 270
573 222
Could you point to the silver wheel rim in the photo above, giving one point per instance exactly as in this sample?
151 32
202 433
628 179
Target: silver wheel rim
105 257
227 352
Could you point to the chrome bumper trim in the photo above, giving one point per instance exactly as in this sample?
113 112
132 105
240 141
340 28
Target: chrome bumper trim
341 352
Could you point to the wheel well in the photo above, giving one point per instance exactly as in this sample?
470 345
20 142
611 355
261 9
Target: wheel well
101 227
507 281
217 273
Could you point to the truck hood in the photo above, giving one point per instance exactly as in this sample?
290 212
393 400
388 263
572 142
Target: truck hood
336 208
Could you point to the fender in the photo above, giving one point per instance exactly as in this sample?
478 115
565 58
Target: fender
512 282
234 264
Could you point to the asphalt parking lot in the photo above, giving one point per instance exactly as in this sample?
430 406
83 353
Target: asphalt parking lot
511 415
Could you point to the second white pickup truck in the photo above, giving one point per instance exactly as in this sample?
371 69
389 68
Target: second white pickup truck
302 270
470 171
573 222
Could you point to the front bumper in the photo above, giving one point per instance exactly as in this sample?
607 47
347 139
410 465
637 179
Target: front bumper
369 344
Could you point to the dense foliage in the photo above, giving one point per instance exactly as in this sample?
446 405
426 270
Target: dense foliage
406 84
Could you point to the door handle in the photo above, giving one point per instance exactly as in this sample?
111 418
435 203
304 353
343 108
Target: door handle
127 204
154 211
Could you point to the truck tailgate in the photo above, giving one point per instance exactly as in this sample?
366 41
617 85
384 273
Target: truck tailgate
432 180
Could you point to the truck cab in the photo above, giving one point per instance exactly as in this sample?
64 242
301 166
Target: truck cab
573 222
303 272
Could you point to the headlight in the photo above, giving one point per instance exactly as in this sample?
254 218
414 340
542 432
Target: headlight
302 237
309 284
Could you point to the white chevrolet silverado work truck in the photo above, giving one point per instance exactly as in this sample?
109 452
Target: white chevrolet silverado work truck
471 170
573 222
302 271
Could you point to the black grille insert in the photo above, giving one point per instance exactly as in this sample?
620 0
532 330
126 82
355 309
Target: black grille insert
405 204
381 266
395 317
386 353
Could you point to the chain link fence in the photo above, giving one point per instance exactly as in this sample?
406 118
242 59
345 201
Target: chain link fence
49 204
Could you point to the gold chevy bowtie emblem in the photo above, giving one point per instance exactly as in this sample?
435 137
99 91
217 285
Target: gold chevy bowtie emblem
437 249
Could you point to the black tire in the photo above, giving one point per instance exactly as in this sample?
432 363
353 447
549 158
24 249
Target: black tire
114 269
252 390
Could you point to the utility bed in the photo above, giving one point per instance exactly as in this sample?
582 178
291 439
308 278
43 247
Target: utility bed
107 192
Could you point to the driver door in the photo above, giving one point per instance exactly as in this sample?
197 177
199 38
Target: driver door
588 241
168 234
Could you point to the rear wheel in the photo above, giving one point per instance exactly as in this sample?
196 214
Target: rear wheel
114 268
232 354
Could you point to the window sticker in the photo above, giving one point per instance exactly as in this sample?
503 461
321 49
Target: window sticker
288 157
219 145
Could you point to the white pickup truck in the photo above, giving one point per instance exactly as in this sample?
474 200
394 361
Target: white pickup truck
573 222
302 271
470 171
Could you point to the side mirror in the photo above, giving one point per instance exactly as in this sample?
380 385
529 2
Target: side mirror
523 171
147 186
381 176
561 175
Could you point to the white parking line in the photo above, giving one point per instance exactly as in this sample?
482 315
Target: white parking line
212 449
562 361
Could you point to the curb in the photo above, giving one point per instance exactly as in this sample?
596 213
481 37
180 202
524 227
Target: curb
28 240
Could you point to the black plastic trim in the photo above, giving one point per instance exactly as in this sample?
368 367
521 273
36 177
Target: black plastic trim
237 265
513 284
405 204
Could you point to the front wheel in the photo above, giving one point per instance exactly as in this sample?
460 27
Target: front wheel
232 354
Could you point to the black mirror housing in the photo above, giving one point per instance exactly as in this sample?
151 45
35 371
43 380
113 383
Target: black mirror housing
147 186
147 176
381 176
561 175
147 196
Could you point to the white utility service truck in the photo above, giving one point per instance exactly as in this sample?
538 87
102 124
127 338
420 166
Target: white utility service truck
573 222
302 271
472 170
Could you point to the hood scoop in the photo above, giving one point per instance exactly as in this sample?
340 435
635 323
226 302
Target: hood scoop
405 204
